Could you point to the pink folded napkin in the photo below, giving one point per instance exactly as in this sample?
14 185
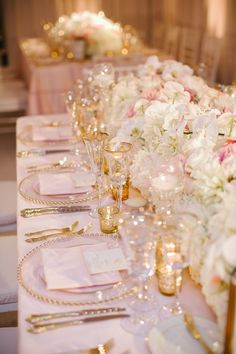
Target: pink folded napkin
65 268
40 133
65 183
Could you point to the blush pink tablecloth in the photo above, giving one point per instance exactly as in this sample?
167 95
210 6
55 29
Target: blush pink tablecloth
48 82
86 335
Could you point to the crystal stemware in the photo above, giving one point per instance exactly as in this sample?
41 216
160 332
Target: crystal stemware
117 156
139 236
175 236
167 184
101 82
94 142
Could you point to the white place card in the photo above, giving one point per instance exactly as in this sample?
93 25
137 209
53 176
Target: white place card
102 261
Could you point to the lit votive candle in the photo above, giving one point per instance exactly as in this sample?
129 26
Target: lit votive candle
108 217
165 182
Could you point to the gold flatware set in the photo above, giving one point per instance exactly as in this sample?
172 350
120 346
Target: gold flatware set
59 234
44 327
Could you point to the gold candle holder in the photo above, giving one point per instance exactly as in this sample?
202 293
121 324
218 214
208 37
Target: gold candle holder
125 191
164 271
108 219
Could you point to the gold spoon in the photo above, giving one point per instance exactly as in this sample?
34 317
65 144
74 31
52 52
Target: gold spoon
61 230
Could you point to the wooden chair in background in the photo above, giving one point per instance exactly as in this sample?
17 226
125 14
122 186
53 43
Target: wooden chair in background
171 41
189 47
159 33
209 59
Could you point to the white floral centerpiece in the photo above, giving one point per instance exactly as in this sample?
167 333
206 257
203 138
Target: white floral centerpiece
166 110
100 33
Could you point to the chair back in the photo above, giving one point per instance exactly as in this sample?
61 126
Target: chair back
171 41
159 32
189 48
210 57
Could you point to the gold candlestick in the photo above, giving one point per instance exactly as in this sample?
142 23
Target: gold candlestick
230 321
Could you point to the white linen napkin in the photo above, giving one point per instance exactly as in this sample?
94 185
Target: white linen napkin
42 133
65 183
65 268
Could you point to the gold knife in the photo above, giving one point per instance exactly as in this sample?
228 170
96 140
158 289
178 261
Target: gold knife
43 327
29 212
36 318
41 152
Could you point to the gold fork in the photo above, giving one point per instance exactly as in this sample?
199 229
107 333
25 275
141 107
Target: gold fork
193 330
71 234
72 227
99 349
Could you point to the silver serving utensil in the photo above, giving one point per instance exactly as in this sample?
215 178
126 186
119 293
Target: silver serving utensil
43 327
71 234
36 318
30 212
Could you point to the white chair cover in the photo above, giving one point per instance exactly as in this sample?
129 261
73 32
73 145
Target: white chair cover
8 264
8 203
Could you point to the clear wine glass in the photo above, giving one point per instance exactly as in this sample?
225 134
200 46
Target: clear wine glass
103 77
117 157
139 236
175 234
94 142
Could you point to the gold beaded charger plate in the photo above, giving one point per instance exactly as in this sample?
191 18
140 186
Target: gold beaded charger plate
30 275
29 190
26 137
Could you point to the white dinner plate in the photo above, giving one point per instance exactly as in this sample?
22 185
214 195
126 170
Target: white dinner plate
171 337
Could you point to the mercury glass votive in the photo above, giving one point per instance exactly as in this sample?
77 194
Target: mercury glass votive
164 271
108 217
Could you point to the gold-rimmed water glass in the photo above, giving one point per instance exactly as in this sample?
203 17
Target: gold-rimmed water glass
118 158
94 142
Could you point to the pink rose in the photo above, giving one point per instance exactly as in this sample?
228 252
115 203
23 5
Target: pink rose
130 112
216 280
193 94
227 150
150 94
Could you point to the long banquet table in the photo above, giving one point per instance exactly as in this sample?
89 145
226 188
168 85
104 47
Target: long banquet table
48 79
86 335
